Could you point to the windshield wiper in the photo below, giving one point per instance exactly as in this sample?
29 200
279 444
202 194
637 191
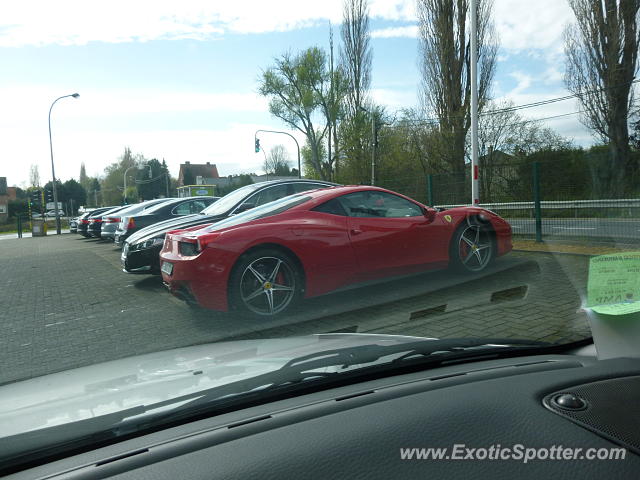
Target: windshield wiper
304 371
294 377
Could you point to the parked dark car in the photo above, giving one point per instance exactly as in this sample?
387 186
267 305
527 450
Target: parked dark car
83 222
111 219
141 251
177 207
95 223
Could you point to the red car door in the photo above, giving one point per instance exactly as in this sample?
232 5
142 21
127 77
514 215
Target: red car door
389 234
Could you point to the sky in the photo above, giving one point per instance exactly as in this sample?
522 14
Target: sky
179 80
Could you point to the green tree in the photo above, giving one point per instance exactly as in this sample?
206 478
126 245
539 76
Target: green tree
76 192
94 193
303 93
84 179
154 187
112 184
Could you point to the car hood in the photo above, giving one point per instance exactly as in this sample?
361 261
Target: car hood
160 228
109 387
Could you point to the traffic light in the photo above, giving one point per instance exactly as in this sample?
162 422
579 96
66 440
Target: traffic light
35 197
257 145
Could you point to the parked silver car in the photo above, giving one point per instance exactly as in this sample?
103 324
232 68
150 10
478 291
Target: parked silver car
110 221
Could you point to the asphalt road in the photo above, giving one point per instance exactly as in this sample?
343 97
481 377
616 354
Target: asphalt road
66 303
625 230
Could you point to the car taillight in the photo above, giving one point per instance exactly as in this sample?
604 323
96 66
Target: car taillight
131 224
84 221
112 220
188 249
190 246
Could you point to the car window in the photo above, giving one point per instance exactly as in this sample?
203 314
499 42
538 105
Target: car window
270 194
230 200
197 206
372 203
333 206
272 208
182 209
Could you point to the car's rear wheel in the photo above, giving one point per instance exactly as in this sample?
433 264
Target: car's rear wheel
265 282
472 247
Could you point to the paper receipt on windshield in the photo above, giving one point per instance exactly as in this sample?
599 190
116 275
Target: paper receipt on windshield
614 283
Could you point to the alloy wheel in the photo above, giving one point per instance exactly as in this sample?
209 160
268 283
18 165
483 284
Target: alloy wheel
475 248
267 285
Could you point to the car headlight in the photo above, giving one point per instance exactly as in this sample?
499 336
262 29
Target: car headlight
151 243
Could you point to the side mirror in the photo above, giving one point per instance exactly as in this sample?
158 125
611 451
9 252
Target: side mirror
429 214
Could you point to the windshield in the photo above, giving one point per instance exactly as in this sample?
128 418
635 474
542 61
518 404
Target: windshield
263 211
493 215
229 201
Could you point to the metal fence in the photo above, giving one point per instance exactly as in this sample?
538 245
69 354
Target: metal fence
542 200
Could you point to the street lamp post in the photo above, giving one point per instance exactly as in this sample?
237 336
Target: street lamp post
294 139
124 192
53 170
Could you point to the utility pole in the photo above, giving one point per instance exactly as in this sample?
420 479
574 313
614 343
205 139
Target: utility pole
475 194
330 106
373 148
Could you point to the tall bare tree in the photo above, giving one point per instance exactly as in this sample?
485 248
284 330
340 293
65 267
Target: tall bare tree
602 52
355 52
34 176
278 161
445 59
355 60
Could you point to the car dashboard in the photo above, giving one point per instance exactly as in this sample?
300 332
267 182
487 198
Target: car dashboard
363 430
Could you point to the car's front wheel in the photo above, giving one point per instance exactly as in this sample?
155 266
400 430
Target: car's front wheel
472 246
265 282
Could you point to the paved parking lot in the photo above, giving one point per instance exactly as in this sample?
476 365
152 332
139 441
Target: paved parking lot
64 303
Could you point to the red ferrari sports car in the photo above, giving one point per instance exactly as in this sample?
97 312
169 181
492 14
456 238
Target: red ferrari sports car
265 259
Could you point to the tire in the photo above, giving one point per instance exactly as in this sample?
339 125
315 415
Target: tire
472 246
265 283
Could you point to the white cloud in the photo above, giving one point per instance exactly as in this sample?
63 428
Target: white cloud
77 22
523 79
410 31
525 25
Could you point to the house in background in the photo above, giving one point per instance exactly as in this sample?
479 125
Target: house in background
197 174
